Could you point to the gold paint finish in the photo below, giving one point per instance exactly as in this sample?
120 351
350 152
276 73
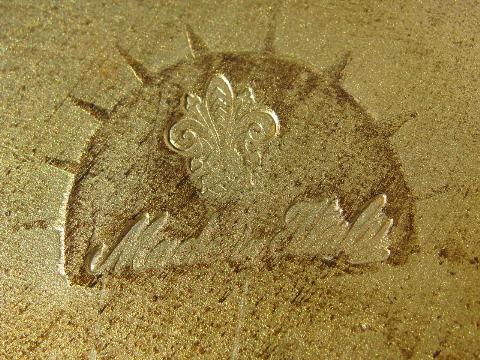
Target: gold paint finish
186 180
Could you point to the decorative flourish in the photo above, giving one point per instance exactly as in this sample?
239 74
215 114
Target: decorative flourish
222 136
311 229
132 251
319 228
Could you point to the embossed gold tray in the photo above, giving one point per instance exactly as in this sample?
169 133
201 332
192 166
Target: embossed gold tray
239 180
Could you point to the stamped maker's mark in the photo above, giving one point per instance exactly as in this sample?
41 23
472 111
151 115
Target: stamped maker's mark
311 230
192 167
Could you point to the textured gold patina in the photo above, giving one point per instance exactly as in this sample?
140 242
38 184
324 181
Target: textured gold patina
227 168
351 232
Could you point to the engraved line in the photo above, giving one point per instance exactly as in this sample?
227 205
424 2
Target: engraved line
96 111
196 44
241 319
140 71
80 79
211 127
269 42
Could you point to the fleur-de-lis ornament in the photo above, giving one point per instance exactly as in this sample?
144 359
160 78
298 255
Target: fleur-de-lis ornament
222 137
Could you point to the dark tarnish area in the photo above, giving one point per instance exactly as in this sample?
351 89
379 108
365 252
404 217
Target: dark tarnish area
375 169
124 174
328 147
355 160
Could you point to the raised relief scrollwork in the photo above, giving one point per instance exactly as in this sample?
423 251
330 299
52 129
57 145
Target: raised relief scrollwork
319 228
222 136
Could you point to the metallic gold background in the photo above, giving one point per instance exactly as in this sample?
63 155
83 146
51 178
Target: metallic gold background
413 62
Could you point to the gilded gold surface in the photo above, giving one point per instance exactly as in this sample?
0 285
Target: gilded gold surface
239 180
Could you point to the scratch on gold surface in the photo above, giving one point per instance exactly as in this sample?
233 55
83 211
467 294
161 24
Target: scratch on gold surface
237 340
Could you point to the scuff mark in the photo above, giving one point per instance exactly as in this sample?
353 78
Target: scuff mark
241 318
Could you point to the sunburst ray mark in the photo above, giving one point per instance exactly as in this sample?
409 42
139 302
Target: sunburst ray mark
269 42
96 111
196 44
336 71
140 71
